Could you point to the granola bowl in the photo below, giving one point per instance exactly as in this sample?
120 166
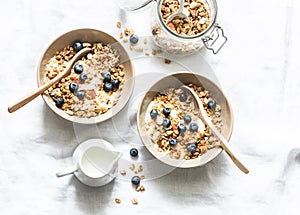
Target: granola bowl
169 124
100 83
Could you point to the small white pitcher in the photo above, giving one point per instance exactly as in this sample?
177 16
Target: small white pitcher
95 163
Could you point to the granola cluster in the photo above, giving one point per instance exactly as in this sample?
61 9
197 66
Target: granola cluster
197 13
86 94
185 136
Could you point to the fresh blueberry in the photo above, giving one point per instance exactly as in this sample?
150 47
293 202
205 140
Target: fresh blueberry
181 128
134 39
59 101
153 114
77 46
115 83
187 119
172 142
191 147
80 94
73 87
166 111
135 180
107 87
211 104
182 97
83 77
193 127
166 123
134 152
107 77
78 69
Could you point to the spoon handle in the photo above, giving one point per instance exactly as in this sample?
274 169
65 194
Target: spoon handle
29 97
45 86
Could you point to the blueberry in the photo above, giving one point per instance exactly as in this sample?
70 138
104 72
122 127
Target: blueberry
172 142
153 114
77 46
135 180
134 152
59 101
211 104
107 77
187 119
182 97
166 111
193 127
181 128
73 87
191 147
83 77
80 94
134 39
107 87
115 83
166 123
78 69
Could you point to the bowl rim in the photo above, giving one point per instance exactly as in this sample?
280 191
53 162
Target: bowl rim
186 163
100 118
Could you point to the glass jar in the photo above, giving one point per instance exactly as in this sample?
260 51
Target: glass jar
212 37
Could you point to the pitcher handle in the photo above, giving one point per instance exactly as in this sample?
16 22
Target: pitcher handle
67 171
216 35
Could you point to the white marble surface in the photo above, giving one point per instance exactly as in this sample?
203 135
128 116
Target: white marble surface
258 69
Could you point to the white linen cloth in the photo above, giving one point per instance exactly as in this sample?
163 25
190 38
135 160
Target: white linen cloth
257 69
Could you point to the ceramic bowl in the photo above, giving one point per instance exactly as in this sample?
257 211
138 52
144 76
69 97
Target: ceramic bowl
91 36
176 80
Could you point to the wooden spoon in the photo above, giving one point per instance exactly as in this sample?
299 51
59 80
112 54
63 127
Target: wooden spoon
44 87
223 142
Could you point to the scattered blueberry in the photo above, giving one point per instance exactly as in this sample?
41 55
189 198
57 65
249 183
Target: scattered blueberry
134 39
211 104
187 119
78 69
73 87
59 101
115 83
107 87
182 97
80 94
193 127
134 152
166 111
191 147
153 114
83 77
107 77
166 123
181 128
172 142
135 180
77 46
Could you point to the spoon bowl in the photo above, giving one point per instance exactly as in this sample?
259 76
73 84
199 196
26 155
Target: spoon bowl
179 13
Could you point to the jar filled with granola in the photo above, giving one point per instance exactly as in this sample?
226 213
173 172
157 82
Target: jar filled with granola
184 36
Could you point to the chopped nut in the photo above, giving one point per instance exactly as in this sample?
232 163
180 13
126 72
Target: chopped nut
123 172
167 61
142 177
125 40
119 25
132 167
121 35
140 188
118 201
134 201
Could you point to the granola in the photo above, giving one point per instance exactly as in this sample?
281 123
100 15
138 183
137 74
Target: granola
175 127
86 92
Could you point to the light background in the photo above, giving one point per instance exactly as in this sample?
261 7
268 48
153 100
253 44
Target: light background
258 69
